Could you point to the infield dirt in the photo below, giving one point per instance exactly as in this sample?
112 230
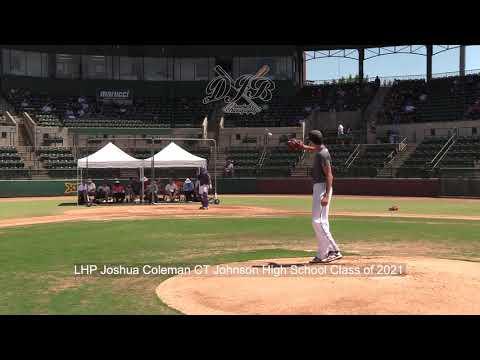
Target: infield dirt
430 286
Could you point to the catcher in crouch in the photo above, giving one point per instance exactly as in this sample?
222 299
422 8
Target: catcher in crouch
328 250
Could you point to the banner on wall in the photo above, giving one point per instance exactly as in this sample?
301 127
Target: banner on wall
119 96
70 188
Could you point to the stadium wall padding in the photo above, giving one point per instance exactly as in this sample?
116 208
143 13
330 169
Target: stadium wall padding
14 188
354 186
342 186
460 187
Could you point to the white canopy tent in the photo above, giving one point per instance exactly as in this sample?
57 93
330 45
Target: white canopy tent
109 157
175 156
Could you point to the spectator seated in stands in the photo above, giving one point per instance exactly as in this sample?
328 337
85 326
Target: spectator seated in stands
103 192
47 109
229 169
118 192
171 190
409 108
474 111
25 103
69 114
91 191
188 189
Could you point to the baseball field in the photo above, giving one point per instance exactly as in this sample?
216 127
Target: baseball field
43 239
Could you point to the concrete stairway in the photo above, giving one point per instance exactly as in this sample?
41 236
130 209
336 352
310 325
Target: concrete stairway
28 156
391 169
302 169
370 115
41 175
23 138
221 160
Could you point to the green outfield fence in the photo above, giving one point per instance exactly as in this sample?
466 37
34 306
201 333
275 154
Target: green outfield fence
433 187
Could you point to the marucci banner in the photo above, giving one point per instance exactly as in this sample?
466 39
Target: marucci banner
117 95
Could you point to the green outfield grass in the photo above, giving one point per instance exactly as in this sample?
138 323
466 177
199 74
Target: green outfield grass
11 210
37 262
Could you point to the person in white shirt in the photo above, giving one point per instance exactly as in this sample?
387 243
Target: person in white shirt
340 130
91 191
171 190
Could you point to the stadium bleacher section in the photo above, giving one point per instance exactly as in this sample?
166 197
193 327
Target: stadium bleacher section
57 158
11 164
144 112
464 153
288 111
442 99
376 156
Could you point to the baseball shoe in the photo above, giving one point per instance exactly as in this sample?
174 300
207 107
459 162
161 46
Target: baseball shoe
316 260
333 256
203 208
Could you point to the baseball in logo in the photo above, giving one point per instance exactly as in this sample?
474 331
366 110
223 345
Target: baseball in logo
239 94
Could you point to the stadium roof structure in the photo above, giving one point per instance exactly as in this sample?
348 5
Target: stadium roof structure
108 157
175 156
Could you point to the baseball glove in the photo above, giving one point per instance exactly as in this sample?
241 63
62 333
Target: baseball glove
295 145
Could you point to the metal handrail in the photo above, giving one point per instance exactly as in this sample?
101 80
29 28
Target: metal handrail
443 147
390 156
402 145
355 154
443 155
262 157
352 154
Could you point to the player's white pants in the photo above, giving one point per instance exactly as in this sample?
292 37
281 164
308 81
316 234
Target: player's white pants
325 240
204 195
204 189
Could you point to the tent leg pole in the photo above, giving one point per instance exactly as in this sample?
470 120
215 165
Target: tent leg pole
78 184
142 175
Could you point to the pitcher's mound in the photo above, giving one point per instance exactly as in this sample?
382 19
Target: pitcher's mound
393 285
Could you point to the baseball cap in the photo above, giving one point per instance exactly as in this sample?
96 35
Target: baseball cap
316 137
187 181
